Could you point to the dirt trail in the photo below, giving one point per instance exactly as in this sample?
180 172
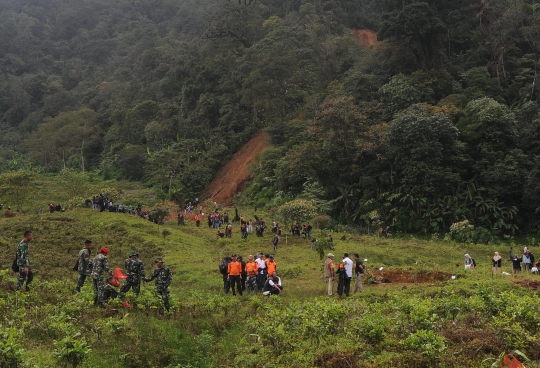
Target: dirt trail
235 173
365 37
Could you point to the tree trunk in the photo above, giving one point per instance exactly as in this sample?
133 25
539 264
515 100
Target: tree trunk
82 157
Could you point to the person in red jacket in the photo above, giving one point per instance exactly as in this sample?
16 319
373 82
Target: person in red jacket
235 275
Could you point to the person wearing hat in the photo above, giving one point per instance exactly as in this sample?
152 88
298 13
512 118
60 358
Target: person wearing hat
163 277
235 275
135 272
99 265
329 273
84 265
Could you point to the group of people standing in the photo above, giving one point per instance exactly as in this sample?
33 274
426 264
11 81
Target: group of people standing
345 270
257 274
96 268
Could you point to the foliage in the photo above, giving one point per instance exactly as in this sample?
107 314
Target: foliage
298 210
71 350
17 187
11 347
464 232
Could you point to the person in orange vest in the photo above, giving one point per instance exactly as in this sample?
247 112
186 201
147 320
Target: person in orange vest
341 277
251 275
197 220
235 275
270 264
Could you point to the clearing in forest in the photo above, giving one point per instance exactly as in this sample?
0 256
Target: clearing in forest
366 37
236 172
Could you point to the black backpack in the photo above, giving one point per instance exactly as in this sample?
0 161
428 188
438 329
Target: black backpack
14 265
224 268
473 262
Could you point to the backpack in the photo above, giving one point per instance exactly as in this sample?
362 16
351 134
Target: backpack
76 266
14 265
223 268
473 262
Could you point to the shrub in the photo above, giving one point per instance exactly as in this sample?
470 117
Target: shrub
71 350
11 347
464 232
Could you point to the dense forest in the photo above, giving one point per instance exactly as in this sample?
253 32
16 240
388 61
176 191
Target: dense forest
437 123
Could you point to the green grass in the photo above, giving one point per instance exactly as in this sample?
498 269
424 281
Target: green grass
207 328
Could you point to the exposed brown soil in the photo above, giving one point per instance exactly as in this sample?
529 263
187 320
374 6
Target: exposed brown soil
236 172
529 284
408 277
365 37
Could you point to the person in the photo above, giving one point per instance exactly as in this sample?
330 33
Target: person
510 253
250 226
84 265
271 287
309 228
244 274
23 261
251 275
135 272
516 264
469 264
197 220
181 220
271 265
341 278
224 270
261 271
359 271
243 230
497 262
329 273
348 265
387 231
220 234
526 261
228 231
109 291
163 277
235 275
275 241
99 265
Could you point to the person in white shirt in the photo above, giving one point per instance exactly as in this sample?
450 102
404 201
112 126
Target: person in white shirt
261 274
348 263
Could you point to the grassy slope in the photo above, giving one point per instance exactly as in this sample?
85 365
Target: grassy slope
193 254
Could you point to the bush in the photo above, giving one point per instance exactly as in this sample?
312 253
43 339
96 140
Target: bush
71 350
464 232
11 347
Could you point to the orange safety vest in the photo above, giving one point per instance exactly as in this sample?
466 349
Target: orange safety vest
271 267
252 268
235 268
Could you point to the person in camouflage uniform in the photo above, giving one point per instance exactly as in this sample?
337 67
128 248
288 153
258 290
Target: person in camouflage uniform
135 272
163 276
84 265
23 262
100 264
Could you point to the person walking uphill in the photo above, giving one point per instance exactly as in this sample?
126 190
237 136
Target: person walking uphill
23 261
84 265
100 264
163 277
135 272
235 275
359 271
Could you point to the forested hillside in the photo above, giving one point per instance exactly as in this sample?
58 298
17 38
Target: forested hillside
437 123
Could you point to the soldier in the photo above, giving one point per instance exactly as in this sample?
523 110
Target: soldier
135 271
99 265
23 262
84 264
163 276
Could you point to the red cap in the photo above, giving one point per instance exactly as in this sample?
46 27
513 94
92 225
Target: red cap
105 250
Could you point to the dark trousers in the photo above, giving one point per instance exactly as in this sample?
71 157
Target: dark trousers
261 278
347 285
243 281
236 284
131 283
226 284
23 276
80 281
